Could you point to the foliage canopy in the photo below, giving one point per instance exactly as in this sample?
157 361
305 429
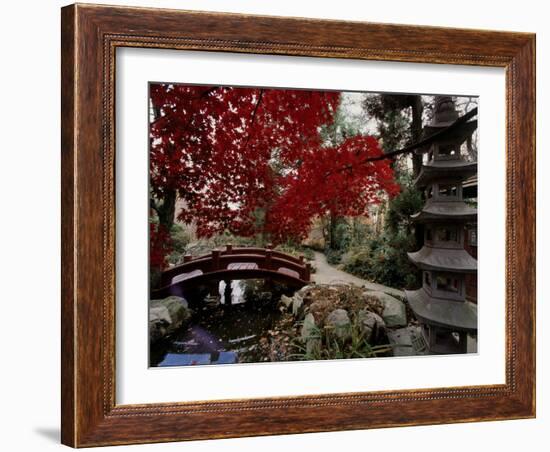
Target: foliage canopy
253 161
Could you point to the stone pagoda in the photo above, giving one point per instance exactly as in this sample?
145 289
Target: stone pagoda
440 306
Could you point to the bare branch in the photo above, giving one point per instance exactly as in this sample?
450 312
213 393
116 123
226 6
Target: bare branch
426 141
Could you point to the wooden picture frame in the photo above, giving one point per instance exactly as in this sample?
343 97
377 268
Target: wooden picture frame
90 36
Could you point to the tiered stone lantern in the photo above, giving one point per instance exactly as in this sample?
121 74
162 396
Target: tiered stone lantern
440 306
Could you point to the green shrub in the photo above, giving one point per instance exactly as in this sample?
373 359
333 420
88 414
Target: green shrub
295 250
334 257
342 235
180 239
329 346
384 260
406 203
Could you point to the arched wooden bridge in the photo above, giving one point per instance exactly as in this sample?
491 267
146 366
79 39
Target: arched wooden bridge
234 264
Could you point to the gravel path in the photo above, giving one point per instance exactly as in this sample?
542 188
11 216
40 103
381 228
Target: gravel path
327 274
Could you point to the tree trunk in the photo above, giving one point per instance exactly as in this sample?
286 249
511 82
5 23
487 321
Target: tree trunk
324 230
332 232
167 209
262 224
416 132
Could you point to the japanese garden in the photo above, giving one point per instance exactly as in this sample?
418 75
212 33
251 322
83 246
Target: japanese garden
294 225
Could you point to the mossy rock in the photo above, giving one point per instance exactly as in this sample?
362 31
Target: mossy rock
166 316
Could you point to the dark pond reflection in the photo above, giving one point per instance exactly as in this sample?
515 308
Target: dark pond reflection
218 332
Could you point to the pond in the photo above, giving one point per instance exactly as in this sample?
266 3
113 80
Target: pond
221 333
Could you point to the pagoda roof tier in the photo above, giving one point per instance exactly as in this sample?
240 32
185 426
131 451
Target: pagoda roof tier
445 211
444 259
454 315
438 169
457 135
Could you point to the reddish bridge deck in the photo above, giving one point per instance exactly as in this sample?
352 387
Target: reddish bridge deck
233 264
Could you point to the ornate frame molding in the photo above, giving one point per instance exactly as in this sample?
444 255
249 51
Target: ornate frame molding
90 37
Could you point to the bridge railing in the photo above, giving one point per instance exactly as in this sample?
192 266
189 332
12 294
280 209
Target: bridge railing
230 249
265 258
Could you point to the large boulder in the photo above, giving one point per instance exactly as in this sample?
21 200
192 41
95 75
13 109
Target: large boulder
159 321
166 316
304 291
320 310
285 302
310 334
294 304
297 305
340 323
372 326
394 313
403 341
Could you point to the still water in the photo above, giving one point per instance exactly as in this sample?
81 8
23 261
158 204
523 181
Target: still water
219 332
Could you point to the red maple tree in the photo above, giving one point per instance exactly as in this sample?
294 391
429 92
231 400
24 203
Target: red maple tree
335 181
252 160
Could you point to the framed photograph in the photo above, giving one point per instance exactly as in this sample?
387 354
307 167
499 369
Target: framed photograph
281 225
